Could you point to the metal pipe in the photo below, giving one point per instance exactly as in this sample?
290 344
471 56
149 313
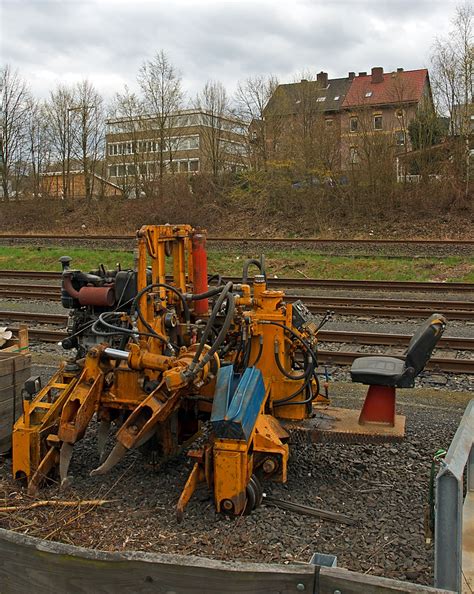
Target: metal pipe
116 354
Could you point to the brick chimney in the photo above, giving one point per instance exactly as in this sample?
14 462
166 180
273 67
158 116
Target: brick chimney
377 74
352 75
322 78
399 69
362 73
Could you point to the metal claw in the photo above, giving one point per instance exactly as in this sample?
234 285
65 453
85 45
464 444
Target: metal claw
102 436
64 462
114 457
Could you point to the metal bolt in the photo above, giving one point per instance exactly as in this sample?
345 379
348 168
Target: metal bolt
300 587
269 466
227 505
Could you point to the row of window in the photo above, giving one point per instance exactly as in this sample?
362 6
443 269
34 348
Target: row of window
152 168
181 143
176 121
377 121
233 148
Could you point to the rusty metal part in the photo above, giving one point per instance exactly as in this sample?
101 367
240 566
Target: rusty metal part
331 424
309 510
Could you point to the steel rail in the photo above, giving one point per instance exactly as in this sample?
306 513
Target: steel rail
441 364
338 336
455 310
317 283
24 290
294 240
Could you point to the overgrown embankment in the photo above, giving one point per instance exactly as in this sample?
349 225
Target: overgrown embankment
260 204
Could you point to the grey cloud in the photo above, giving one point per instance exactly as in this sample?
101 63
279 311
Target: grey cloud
225 40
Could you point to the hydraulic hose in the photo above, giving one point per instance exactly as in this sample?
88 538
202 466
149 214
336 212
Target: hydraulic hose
210 293
120 330
225 292
309 370
284 371
260 264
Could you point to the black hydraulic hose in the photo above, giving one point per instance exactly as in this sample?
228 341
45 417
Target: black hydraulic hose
313 365
259 354
136 306
212 318
216 277
174 290
285 401
119 329
222 334
210 293
258 263
284 371
293 333
308 400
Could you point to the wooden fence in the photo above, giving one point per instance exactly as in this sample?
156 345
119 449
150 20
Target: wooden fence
32 566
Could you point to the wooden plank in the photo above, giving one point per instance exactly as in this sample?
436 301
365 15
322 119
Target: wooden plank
349 582
6 362
57 568
6 382
15 371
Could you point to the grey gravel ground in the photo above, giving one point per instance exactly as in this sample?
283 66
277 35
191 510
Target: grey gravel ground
385 487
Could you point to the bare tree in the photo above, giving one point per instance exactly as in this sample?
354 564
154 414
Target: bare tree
453 63
58 109
37 144
163 97
252 97
89 132
15 96
214 102
129 114
452 73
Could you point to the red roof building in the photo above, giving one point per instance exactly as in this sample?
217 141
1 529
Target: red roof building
387 88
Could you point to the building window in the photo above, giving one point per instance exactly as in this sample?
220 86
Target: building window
112 170
399 113
336 98
329 122
378 124
354 155
353 124
368 94
194 165
321 99
400 138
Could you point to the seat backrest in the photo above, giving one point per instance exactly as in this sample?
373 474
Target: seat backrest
424 341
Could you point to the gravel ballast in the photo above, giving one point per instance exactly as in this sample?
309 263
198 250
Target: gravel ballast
384 487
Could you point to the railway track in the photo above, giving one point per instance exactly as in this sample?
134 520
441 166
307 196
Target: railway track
297 283
454 309
288 240
442 364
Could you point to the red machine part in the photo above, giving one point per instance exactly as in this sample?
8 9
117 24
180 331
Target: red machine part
201 306
98 296
379 406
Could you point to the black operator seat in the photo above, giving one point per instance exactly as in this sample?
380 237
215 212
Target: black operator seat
399 373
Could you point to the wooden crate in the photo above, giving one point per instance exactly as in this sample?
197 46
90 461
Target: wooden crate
15 369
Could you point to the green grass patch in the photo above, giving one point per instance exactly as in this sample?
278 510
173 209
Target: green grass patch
281 263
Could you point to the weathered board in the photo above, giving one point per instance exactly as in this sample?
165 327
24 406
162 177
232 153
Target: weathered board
14 371
29 564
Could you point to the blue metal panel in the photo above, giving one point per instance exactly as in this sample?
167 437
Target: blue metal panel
236 407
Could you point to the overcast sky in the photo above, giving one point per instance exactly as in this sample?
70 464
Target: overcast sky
52 41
